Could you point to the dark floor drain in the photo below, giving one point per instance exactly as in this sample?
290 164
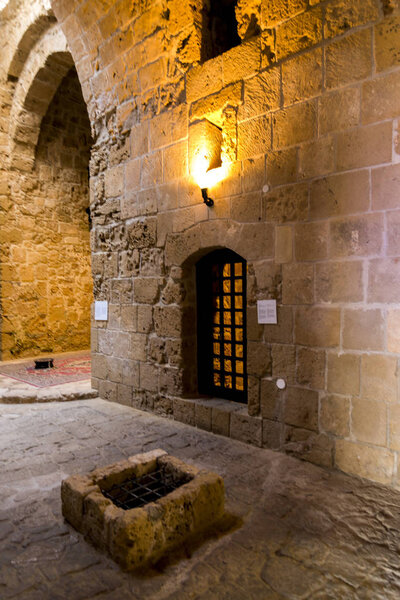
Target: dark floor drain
133 492
44 363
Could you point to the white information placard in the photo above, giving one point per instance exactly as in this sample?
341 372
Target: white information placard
266 312
101 310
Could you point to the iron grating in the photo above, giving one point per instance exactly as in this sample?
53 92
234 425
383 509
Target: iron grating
133 492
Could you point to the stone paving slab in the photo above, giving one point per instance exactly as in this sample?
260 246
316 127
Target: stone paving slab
306 533
17 392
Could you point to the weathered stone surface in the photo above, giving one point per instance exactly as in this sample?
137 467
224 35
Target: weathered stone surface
369 421
302 77
311 241
299 33
271 400
275 12
387 54
310 370
282 166
258 359
241 61
349 59
367 461
204 80
271 434
317 158
45 262
297 284
277 497
317 326
393 226
366 146
307 445
356 236
245 428
383 280
261 94
282 332
363 329
340 17
380 99
288 203
379 378
301 408
306 111
344 374
254 137
284 362
335 415
343 194
393 323
339 282
385 186
283 244
339 110
143 535
295 124
394 427
184 411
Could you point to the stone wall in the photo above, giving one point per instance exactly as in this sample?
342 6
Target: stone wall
308 105
46 277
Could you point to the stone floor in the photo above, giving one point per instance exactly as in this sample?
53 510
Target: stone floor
306 533
13 391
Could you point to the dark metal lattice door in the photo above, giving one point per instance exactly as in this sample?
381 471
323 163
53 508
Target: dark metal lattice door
221 325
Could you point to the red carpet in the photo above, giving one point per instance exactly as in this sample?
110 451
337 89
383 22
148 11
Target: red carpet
66 370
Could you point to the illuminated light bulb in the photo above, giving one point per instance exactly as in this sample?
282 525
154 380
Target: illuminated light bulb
214 176
3 4
200 167
205 176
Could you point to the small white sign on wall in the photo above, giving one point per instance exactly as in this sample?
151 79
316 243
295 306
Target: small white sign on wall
101 310
266 312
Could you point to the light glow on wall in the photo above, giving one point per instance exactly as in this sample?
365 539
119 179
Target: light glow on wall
203 175
3 4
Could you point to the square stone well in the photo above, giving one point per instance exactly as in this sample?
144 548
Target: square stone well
142 535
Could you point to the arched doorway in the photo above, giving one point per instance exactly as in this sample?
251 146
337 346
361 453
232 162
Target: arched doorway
46 282
221 325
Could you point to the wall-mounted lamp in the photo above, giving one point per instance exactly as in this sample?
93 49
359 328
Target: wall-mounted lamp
207 200
205 141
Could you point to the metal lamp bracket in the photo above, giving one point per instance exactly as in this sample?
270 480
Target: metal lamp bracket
207 200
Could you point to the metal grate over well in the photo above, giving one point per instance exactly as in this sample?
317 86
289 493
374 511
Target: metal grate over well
134 493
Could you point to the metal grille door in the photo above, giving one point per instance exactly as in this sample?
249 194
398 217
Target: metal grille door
221 309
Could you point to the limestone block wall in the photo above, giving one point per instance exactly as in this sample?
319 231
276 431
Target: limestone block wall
308 105
46 277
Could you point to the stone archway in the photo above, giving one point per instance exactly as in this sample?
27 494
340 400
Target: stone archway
46 284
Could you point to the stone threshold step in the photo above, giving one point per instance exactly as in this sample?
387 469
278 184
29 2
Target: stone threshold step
45 395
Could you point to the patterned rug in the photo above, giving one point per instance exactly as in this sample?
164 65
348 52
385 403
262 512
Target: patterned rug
66 370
